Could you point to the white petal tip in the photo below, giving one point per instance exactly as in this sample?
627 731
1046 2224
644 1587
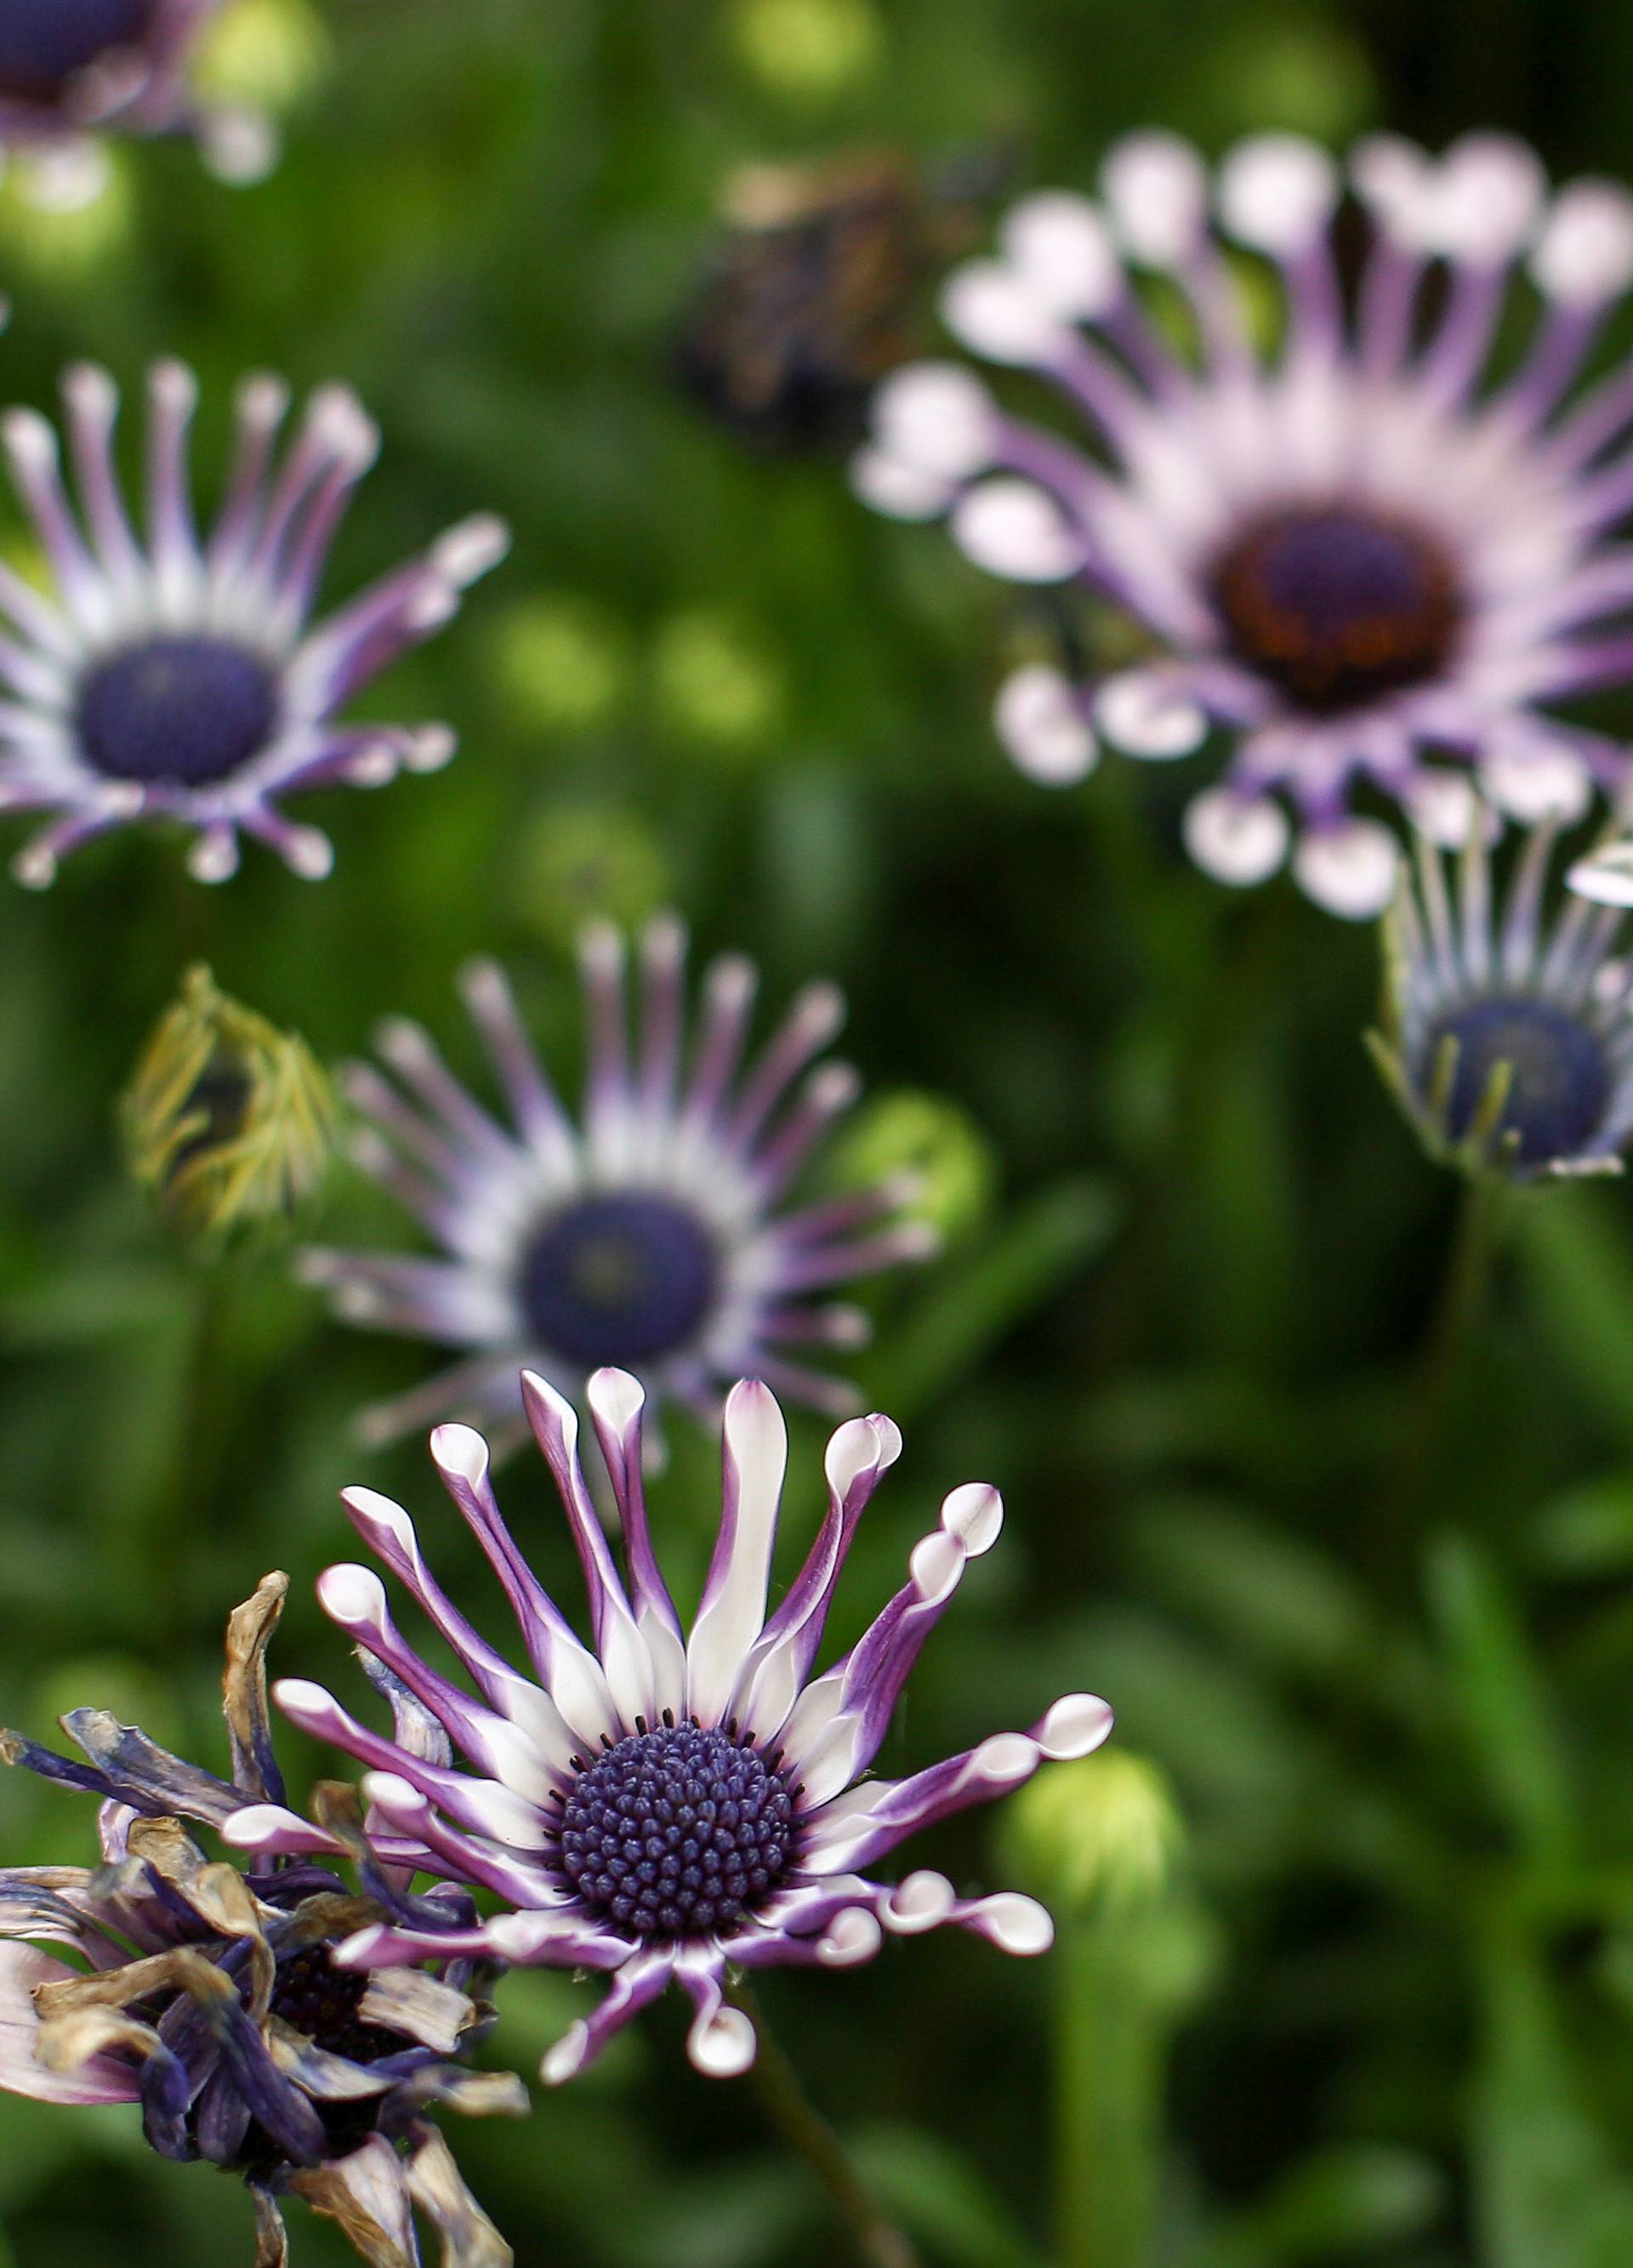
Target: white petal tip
1017 1924
724 2046
1041 718
460 1452
851 1939
974 1514
1148 717
566 2057
352 1596
1075 1726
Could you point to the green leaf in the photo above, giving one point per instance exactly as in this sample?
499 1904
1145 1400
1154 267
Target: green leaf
942 2200
972 1304
1497 1689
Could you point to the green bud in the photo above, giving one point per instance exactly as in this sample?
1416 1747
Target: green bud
930 1142
228 1124
562 662
1103 1835
588 863
265 54
714 680
67 208
810 50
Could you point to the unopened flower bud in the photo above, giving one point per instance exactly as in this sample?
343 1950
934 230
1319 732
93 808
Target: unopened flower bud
228 1123
1102 1834
941 1157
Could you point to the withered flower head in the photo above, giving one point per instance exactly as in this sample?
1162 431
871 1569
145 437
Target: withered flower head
228 1123
208 1996
813 294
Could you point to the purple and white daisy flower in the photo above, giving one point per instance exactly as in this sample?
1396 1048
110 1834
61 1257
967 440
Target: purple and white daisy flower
661 1806
1374 553
1507 1037
72 70
177 676
210 1999
645 1235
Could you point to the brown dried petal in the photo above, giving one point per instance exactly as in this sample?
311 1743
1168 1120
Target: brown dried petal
244 1690
470 2239
367 2194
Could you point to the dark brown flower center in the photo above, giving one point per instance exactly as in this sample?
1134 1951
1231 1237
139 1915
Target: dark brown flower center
1338 606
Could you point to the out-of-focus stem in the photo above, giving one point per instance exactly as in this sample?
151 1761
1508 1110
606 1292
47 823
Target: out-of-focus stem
1460 1311
1112 2058
789 2108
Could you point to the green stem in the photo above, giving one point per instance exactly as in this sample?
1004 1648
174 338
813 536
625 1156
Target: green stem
199 1433
790 2110
1483 1215
1112 2058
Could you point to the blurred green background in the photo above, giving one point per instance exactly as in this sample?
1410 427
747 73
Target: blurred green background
1369 1622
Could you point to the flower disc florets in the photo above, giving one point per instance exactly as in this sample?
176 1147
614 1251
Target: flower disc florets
1509 1044
1370 552
667 1804
651 1231
676 1831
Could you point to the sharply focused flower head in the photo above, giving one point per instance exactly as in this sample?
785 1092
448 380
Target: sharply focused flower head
177 677
647 1235
70 70
1507 1041
664 1805
209 1998
229 1124
1371 554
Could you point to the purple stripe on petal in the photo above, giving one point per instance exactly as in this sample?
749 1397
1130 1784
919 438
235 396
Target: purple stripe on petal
642 1977
485 1807
624 1656
572 1676
721 2043
354 1598
858 1457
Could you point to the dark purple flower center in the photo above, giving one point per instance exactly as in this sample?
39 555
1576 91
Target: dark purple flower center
618 1278
1338 606
1560 1082
676 1832
179 711
44 42
322 2003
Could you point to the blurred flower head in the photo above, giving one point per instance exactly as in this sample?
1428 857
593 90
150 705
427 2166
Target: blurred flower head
179 678
651 1234
210 1998
746 1771
810 297
1353 549
71 71
1507 1037
229 1124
